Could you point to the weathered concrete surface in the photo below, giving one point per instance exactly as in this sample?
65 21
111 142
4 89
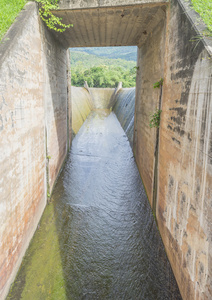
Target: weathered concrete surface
56 104
67 4
101 97
85 99
184 176
81 107
33 124
36 110
124 108
185 166
109 26
151 68
121 100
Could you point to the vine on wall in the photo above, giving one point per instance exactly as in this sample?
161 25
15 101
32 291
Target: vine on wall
52 22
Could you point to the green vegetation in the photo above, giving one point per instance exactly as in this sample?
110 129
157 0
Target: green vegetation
41 273
155 119
8 12
204 9
9 9
100 71
53 22
127 53
91 60
158 84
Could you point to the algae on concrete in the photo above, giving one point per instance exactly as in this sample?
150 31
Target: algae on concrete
41 273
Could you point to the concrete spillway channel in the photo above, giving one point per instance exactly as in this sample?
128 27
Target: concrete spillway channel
97 238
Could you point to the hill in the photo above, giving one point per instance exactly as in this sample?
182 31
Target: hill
90 60
99 70
127 53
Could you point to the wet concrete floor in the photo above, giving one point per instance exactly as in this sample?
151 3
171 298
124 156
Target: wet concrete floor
97 238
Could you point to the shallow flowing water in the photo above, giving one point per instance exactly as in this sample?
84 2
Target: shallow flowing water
98 238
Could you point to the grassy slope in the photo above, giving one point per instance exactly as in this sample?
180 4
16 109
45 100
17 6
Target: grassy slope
204 9
9 10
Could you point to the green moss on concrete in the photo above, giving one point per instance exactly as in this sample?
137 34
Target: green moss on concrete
41 272
9 10
204 9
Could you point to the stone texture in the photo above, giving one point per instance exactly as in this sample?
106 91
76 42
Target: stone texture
33 104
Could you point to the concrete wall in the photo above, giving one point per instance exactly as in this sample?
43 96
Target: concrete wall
101 97
183 172
150 70
121 100
33 124
185 166
56 103
124 109
85 99
81 107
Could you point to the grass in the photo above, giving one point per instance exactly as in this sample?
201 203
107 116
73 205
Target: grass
9 10
204 9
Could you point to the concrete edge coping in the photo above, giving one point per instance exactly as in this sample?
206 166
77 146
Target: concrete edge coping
197 23
63 8
9 40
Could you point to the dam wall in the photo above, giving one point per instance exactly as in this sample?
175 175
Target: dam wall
101 97
85 99
179 174
124 108
81 107
174 160
120 100
34 119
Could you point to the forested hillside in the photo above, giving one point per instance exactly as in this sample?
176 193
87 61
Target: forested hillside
101 71
127 53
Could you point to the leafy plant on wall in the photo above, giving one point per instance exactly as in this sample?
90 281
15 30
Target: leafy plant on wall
155 117
158 84
52 22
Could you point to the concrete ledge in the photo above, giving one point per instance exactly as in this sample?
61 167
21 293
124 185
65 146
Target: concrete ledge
68 4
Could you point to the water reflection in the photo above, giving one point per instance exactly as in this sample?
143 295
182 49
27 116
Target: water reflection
109 245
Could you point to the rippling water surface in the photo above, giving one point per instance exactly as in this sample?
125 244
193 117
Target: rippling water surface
98 238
